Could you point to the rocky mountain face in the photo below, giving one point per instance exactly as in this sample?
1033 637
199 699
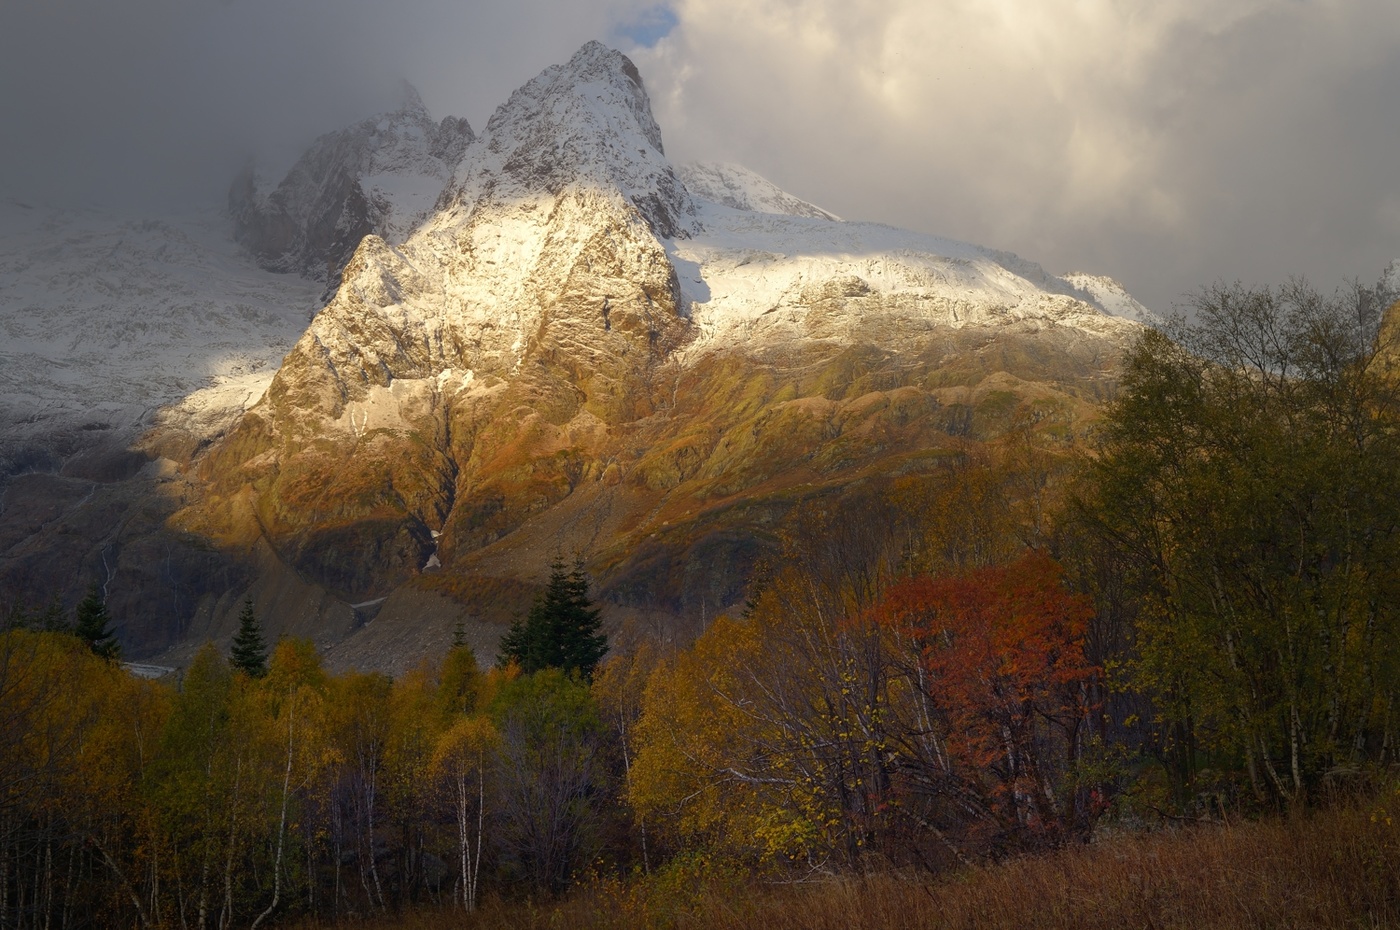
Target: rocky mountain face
581 349
381 177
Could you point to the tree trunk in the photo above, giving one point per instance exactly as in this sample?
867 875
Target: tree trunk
281 825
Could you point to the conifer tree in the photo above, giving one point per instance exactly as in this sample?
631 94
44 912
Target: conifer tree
249 648
561 630
91 624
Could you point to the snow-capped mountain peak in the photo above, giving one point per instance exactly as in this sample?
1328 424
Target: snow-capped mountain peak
587 124
1112 298
382 175
539 338
739 188
410 101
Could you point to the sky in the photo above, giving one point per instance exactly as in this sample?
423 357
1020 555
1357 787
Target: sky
1167 144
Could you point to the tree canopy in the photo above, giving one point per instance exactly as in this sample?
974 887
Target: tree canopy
1246 484
92 624
561 629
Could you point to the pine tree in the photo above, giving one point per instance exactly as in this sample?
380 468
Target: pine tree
249 648
561 630
91 624
584 646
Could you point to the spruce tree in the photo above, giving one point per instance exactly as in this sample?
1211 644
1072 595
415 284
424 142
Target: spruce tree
561 630
249 648
91 624
584 646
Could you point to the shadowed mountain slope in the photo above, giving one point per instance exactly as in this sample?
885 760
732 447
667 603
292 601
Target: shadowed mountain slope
575 351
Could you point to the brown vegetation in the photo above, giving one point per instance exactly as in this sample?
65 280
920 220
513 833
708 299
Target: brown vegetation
1338 868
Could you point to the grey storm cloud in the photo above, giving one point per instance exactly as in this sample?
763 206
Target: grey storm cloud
155 102
1166 144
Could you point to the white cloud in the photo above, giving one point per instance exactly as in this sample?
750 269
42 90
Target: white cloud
1166 143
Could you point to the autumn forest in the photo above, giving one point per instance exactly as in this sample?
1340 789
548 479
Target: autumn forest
1189 615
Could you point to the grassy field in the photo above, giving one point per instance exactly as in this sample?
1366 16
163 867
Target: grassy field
1338 868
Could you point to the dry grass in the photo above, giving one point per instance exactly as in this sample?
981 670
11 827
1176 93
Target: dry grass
1335 869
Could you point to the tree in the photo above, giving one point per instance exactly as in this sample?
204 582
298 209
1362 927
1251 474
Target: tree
461 767
768 738
1000 659
360 728
1247 480
548 736
459 684
561 630
92 622
196 781
249 653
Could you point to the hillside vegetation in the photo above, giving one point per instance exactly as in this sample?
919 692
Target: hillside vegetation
956 696
1336 869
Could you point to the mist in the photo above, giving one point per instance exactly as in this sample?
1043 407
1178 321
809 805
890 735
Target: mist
1166 145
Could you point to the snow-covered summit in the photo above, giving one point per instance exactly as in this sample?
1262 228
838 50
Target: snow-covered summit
741 189
1111 297
564 338
585 124
754 279
382 175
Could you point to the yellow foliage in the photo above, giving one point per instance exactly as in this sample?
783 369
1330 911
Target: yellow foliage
695 776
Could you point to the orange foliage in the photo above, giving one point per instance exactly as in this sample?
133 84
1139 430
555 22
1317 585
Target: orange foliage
1002 652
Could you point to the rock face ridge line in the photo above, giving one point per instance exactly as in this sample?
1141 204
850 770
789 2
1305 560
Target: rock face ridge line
382 176
575 346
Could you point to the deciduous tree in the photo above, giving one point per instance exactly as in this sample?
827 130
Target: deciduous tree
1247 480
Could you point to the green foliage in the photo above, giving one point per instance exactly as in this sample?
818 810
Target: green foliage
92 624
48 619
249 653
561 630
1246 488
459 683
549 736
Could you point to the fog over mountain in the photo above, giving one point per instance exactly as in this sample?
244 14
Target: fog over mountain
1167 146
536 337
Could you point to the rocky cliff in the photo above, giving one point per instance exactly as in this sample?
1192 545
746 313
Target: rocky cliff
581 349
382 176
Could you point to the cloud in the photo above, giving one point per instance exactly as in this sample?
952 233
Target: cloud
157 102
1167 144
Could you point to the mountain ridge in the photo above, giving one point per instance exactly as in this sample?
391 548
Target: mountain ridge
575 351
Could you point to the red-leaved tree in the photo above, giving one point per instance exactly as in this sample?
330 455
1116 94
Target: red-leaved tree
997 657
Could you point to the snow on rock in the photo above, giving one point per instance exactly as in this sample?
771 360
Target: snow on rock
585 124
1112 298
749 277
555 210
104 319
741 189
382 176
1390 280
567 200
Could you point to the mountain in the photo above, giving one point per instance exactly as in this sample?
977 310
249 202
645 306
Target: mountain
740 189
579 348
381 176
1110 295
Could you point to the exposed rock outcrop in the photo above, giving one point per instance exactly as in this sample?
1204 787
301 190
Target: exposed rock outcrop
568 349
381 176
